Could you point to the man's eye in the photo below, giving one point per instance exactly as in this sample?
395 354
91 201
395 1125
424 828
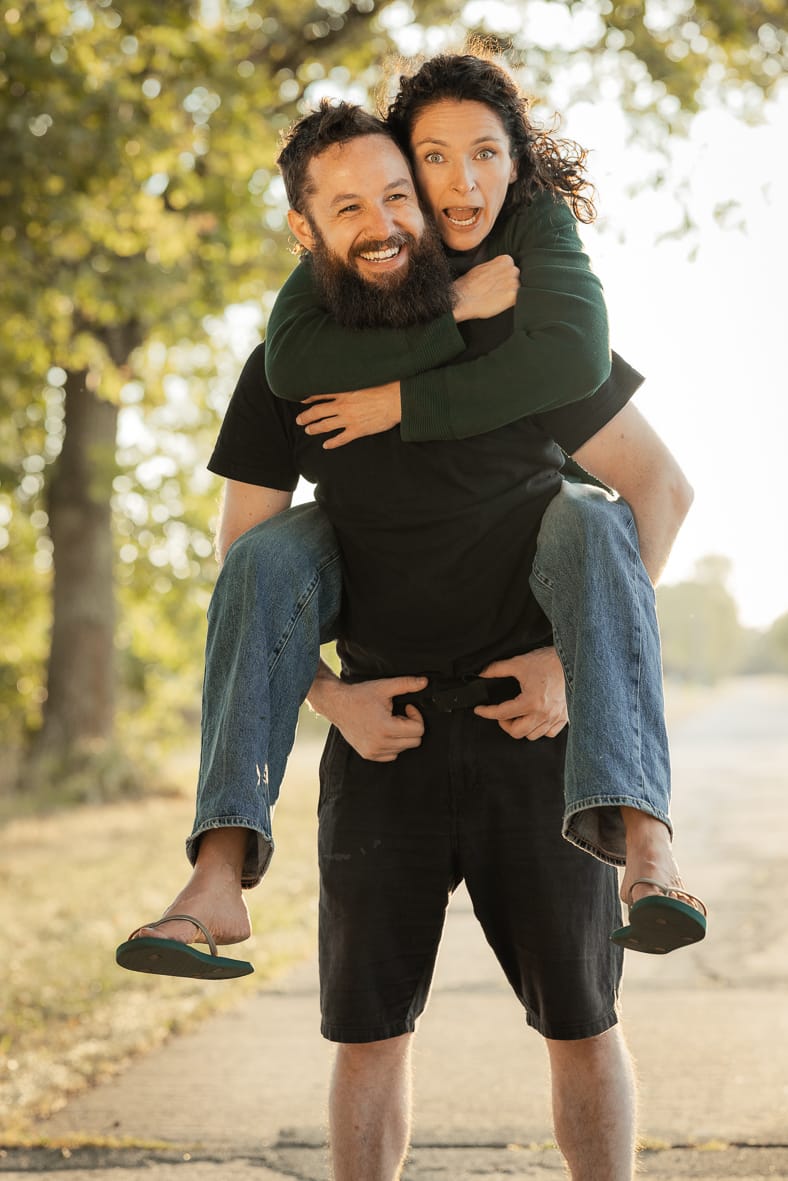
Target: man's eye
348 209
398 196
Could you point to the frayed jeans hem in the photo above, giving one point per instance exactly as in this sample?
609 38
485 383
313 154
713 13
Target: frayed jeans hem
587 820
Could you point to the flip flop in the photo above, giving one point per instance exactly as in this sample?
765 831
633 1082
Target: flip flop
169 957
660 923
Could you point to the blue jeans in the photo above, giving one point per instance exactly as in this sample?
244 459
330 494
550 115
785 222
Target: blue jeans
589 580
277 599
275 602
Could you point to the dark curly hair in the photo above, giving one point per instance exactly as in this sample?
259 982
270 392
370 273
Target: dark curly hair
331 123
543 162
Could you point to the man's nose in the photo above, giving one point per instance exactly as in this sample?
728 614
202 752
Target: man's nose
381 222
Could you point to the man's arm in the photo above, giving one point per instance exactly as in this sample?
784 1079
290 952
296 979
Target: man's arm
244 506
362 713
628 455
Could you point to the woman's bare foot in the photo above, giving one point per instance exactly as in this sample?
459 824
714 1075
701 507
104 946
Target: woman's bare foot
213 893
649 855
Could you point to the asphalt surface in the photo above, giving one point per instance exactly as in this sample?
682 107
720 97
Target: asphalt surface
243 1096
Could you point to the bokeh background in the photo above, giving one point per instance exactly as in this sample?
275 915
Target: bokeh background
142 240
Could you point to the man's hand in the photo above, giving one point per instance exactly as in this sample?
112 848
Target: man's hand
354 414
487 289
363 713
540 709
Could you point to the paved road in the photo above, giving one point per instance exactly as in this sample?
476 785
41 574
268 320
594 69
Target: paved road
243 1096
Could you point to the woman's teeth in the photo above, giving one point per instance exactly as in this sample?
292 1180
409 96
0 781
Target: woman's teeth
462 216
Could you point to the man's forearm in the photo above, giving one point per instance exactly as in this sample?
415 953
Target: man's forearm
659 511
325 693
630 457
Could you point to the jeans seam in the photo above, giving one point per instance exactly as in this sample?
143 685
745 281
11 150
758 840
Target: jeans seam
301 606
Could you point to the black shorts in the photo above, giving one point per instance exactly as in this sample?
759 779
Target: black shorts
395 840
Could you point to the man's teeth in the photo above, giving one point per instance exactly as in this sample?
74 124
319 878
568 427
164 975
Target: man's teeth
462 217
381 255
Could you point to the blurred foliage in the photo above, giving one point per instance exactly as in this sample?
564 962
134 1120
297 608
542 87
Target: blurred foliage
139 200
702 639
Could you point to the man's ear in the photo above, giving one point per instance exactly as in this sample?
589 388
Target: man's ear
301 229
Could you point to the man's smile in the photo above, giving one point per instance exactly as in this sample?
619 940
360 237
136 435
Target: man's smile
381 255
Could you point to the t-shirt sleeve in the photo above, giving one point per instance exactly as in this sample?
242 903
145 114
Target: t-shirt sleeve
571 426
558 351
255 445
308 352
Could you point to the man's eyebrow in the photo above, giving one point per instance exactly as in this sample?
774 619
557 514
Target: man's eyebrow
341 198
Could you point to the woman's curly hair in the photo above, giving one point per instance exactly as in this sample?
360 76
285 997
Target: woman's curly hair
544 164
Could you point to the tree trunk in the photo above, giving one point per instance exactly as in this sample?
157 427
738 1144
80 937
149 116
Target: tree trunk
80 691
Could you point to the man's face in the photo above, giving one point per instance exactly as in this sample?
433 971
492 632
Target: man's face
375 260
362 206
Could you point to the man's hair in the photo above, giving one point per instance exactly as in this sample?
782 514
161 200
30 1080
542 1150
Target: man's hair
543 163
332 123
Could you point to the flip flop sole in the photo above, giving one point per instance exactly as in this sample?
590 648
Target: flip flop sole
658 925
168 957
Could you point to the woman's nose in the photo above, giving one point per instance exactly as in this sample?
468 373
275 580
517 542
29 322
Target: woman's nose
463 180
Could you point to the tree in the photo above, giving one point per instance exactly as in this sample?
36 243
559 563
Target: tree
702 639
139 198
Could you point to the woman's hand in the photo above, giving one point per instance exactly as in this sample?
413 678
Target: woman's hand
353 415
487 290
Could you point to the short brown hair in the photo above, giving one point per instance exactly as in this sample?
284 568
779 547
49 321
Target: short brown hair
332 123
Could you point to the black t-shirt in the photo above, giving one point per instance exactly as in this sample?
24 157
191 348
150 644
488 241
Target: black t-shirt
437 539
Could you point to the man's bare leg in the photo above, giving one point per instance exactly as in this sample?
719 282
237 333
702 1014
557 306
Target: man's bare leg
649 854
594 1106
213 893
369 1110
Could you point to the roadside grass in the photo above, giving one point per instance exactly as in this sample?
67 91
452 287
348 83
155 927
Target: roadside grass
73 883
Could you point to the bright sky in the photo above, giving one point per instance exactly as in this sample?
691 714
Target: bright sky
709 334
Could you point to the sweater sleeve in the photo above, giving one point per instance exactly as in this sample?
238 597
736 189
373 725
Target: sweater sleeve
558 352
307 352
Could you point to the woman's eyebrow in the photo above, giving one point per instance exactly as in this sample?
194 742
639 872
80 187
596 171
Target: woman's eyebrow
441 143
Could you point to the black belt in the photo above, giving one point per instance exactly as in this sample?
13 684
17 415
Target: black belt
465 693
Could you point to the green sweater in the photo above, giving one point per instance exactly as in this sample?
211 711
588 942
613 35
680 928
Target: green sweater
557 353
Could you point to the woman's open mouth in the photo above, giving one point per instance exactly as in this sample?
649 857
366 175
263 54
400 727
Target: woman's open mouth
462 216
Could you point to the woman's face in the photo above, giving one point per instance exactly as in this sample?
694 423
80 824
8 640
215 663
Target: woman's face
461 158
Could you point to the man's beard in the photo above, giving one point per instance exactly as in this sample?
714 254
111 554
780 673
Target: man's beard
400 299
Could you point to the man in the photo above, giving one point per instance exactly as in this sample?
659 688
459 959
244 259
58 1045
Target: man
436 560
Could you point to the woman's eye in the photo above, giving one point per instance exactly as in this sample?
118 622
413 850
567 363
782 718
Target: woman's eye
433 158
486 154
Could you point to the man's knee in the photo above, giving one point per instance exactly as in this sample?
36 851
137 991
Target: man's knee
579 1052
359 1056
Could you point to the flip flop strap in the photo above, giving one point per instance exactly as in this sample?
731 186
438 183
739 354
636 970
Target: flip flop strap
668 890
187 918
